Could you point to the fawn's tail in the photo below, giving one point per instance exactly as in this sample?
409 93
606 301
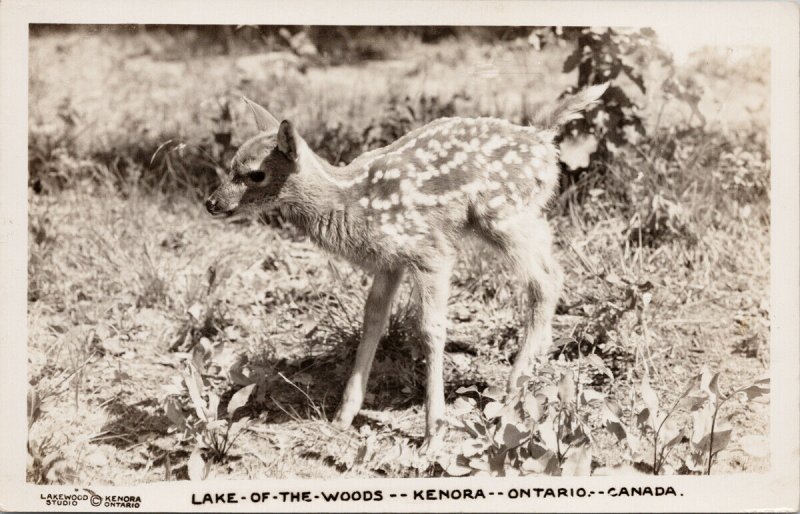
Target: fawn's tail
568 108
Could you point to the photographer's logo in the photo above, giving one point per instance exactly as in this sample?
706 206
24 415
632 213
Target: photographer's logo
87 496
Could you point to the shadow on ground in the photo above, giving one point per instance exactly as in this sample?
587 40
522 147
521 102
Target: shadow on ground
311 387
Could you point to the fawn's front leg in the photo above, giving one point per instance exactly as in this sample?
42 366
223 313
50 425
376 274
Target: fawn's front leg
376 318
432 289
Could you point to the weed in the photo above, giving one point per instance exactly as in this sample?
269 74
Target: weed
712 433
543 427
204 315
203 424
546 426
46 464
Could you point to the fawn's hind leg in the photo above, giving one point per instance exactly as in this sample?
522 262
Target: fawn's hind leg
432 288
529 245
376 317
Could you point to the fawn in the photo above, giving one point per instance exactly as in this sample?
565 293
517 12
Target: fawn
407 209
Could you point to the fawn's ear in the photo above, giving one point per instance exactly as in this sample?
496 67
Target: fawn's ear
287 140
264 120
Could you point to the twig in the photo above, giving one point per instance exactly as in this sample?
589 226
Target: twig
294 416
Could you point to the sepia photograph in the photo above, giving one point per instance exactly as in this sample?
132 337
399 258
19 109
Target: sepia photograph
381 251
555 234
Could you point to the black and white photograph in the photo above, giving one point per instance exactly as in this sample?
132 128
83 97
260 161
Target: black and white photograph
293 252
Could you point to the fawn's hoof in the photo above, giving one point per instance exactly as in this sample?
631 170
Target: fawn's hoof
432 445
434 439
342 422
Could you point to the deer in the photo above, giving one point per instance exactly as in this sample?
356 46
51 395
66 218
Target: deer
407 210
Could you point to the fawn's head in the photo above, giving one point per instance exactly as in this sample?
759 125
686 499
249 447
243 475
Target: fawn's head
264 169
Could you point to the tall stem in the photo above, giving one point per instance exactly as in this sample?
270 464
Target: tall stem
655 453
713 425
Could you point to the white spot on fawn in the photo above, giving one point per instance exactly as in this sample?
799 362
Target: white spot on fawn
389 230
496 202
434 145
527 171
471 187
495 142
392 174
380 204
511 157
422 155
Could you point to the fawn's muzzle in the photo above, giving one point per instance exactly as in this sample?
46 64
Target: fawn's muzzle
213 207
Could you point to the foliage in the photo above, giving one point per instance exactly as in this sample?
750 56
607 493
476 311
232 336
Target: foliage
745 173
543 427
46 464
194 410
603 55
53 156
711 433
546 426
340 143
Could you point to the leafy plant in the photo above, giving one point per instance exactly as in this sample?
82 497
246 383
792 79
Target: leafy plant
546 427
194 412
744 172
606 55
659 221
46 464
536 429
205 315
658 426
711 432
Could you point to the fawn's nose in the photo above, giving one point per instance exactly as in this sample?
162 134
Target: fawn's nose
212 206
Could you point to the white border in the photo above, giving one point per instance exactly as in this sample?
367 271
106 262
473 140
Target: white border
768 23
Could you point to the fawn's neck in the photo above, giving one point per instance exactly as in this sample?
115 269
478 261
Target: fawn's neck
324 210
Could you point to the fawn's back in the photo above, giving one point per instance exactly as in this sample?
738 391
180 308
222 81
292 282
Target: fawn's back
452 173
435 186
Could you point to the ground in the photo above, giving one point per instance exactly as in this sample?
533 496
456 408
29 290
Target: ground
127 283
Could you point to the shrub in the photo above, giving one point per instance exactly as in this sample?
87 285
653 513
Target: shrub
606 55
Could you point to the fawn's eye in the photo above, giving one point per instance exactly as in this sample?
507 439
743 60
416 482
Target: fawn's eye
257 176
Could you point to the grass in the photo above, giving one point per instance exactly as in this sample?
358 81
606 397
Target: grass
666 258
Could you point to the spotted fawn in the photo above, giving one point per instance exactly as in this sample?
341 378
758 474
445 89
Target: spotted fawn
407 209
